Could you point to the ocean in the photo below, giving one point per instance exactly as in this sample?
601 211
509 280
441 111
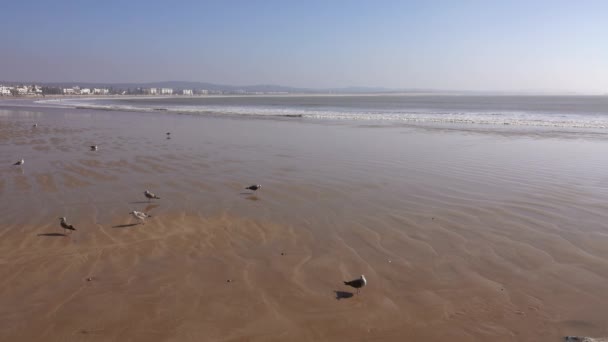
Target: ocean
520 111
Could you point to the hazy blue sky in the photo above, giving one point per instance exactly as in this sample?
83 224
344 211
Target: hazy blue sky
473 45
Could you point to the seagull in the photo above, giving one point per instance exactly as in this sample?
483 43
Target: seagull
94 147
150 195
168 133
357 283
21 162
253 187
140 216
35 125
65 225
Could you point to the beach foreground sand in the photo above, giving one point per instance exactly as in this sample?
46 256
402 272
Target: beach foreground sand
462 236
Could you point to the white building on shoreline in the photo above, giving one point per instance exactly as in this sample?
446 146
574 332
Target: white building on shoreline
187 92
101 91
72 91
150 91
166 91
24 90
5 91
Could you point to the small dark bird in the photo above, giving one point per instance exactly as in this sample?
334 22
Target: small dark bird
65 225
357 283
21 162
168 133
253 187
94 147
35 125
150 195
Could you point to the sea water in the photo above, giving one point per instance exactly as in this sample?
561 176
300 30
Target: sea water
522 111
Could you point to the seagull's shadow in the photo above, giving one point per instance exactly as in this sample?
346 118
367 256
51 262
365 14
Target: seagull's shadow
126 225
343 295
140 202
150 207
252 198
52 234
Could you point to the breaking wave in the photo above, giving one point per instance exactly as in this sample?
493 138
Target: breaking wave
505 118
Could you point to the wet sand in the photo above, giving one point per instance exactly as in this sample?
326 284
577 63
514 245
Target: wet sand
462 235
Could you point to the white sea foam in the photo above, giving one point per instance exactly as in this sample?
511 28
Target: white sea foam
505 118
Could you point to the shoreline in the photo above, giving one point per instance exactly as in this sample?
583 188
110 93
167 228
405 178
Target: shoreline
478 122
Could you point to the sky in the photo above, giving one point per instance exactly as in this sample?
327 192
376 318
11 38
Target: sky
551 45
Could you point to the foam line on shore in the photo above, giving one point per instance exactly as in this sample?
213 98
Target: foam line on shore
501 118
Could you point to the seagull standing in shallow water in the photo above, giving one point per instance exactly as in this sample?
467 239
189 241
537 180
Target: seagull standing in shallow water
357 283
150 195
21 162
253 187
65 225
140 216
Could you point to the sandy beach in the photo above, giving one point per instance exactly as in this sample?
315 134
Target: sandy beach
463 235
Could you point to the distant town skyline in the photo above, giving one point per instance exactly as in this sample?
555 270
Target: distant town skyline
516 46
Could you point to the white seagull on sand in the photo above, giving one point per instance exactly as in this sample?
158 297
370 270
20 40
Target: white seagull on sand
357 283
140 216
65 225
150 195
21 162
